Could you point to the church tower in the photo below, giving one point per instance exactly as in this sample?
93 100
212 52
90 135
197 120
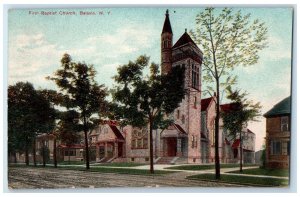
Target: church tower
166 46
183 138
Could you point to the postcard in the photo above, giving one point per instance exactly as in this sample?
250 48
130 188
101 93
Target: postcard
149 97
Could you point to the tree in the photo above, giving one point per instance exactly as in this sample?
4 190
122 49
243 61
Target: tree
228 39
29 114
241 112
81 93
67 128
147 100
54 98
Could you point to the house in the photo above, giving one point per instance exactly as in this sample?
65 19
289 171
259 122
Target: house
278 133
228 148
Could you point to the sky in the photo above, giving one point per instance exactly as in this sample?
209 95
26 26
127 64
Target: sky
113 36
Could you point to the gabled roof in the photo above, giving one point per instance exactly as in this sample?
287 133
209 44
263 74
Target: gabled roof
281 108
184 39
205 103
178 127
228 107
167 25
249 131
117 132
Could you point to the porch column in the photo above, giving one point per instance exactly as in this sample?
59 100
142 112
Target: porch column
97 153
105 149
115 149
179 152
161 151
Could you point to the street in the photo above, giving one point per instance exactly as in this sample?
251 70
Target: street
34 178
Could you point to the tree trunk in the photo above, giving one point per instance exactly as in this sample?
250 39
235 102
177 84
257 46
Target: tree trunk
34 152
44 156
69 155
217 158
54 153
87 158
15 157
151 147
241 152
26 156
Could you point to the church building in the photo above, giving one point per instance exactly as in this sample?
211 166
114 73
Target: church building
190 139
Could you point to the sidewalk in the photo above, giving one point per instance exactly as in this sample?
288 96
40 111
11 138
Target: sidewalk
193 172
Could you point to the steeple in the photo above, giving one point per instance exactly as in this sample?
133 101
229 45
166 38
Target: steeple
167 25
166 46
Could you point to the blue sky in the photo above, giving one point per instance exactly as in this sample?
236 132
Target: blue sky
37 43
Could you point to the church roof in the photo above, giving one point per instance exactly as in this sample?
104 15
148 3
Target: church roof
281 108
117 132
184 39
167 25
205 103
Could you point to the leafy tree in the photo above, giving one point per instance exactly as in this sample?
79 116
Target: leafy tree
228 39
242 111
29 114
54 98
67 130
81 93
146 100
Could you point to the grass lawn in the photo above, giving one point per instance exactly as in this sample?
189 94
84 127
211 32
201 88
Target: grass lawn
71 163
207 167
125 164
262 171
242 180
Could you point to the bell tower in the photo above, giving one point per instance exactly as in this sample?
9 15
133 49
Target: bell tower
166 46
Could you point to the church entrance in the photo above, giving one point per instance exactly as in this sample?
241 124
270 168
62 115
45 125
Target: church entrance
171 146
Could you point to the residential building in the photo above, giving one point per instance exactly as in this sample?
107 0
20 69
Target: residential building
278 133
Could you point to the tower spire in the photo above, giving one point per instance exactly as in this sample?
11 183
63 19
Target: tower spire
166 45
167 25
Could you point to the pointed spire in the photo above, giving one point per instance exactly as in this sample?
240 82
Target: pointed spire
167 25
185 30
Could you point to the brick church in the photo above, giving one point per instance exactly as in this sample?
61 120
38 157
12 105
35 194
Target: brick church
190 139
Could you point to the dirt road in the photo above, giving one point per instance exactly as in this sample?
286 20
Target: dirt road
47 178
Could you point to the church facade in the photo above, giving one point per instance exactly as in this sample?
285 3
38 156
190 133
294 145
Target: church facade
190 139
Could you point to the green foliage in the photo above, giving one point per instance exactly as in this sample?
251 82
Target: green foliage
145 100
242 111
138 98
29 113
228 39
265 172
242 180
80 94
205 167
263 158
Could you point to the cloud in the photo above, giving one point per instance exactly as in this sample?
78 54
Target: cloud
277 49
123 41
30 58
35 57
